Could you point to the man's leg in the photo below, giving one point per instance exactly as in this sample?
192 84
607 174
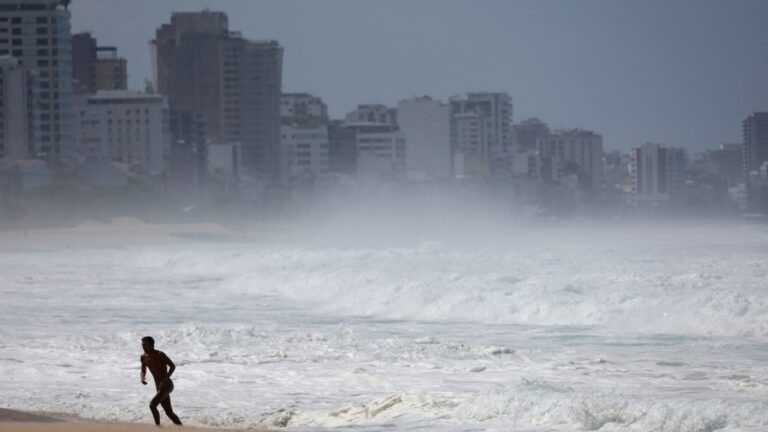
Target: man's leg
166 403
159 398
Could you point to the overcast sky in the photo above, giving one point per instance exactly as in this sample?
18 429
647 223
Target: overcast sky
682 73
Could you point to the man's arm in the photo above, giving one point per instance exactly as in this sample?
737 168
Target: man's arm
143 371
171 367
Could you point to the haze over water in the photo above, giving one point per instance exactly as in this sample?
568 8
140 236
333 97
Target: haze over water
387 216
522 327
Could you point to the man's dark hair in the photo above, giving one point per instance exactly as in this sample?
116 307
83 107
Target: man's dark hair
148 340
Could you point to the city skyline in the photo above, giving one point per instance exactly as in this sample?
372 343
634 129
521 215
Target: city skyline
626 70
223 126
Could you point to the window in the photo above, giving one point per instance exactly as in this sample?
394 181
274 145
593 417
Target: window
42 30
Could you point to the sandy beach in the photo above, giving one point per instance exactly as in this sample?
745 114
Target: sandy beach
120 232
18 421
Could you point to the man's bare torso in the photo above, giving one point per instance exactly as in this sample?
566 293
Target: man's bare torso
157 363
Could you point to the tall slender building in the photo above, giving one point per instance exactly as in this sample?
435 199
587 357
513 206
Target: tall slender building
304 141
18 110
755 135
37 34
233 84
755 167
84 63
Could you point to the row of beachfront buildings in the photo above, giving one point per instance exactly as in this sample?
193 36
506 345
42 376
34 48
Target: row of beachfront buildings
214 118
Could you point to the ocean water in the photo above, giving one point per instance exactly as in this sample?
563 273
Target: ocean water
543 329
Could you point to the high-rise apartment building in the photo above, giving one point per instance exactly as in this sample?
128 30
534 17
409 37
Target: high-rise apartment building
126 127
304 140
755 167
111 70
482 132
342 148
658 171
37 34
96 68
755 137
234 84
426 124
18 109
726 162
305 151
470 145
83 63
572 152
380 152
188 155
528 132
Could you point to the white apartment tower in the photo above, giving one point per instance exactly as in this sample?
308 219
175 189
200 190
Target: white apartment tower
482 132
125 127
37 34
304 152
426 124
380 153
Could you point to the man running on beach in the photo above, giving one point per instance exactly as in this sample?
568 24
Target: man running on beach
157 362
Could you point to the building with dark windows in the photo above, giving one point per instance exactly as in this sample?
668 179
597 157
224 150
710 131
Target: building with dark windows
574 152
303 109
19 112
97 68
659 174
755 137
342 150
233 84
188 156
37 34
125 127
481 135
304 140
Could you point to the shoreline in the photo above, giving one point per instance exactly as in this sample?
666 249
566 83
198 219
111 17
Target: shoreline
119 233
21 421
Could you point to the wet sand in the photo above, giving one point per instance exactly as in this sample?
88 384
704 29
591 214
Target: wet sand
18 421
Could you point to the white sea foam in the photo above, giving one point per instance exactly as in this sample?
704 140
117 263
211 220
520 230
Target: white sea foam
655 330
702 287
